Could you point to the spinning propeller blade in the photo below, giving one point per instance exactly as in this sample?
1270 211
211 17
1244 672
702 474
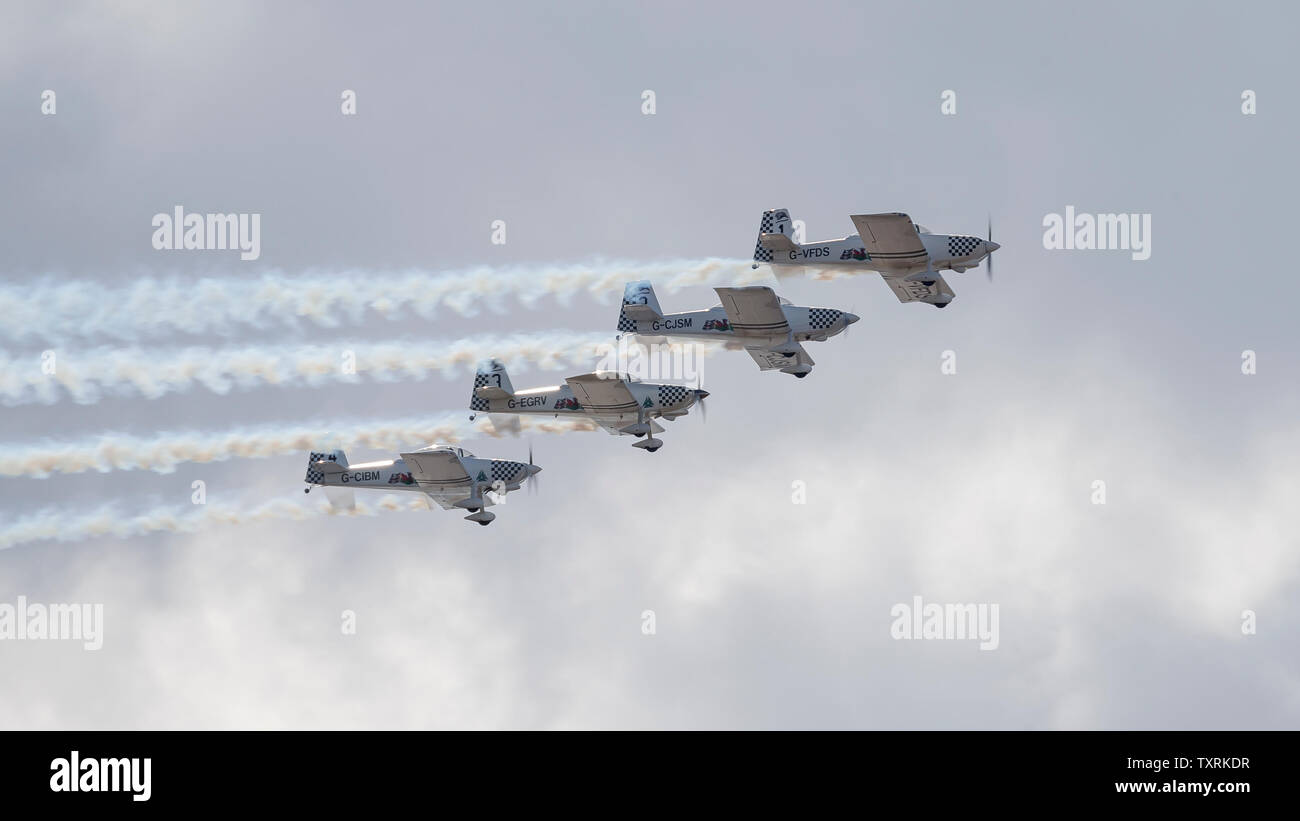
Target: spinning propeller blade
988 260
533 479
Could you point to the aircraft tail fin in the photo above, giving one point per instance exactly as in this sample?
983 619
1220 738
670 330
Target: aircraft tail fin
639 303
320 464
775 233
490 382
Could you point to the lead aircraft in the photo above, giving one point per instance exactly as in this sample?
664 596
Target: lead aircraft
906 255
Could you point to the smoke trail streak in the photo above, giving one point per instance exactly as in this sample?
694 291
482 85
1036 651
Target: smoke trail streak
57 311
163 452
59 525
86 377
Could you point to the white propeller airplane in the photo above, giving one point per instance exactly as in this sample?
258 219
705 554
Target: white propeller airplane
622 405
753 318
905 254
452 477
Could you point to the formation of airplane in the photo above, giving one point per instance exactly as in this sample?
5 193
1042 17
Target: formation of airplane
771 329
906 255
621 404
754 318
452 477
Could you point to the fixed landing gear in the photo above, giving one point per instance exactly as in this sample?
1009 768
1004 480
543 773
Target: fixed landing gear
482 517
644 427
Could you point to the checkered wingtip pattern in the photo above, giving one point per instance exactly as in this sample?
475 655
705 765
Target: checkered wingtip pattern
823 318
670 395
475 403
963 246
761 254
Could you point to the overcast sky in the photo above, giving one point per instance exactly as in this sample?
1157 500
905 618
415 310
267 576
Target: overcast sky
1072 366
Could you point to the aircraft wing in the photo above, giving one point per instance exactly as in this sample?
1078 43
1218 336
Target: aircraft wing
599 394
770 359
447 499
616 427
753 310
434 470
892 242
932 289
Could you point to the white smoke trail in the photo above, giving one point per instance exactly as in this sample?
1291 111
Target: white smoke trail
163 452
61 526
152 373
51 310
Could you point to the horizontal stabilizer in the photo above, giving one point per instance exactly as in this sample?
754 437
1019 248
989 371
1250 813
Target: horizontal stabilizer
492 392
641 312
776 242
505 423
341 498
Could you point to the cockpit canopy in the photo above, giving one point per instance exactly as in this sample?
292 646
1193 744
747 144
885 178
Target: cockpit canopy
779 299
435 448
616 375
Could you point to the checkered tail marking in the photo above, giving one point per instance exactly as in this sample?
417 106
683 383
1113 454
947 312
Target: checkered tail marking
761 254
314 476
475 403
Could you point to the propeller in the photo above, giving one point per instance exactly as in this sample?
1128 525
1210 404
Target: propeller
533 478
988 260
699 398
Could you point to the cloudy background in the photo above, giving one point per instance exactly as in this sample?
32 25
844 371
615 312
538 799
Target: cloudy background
1072 367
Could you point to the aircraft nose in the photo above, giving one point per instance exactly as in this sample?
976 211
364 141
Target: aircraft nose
533 470
702 394
990 246
849 318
